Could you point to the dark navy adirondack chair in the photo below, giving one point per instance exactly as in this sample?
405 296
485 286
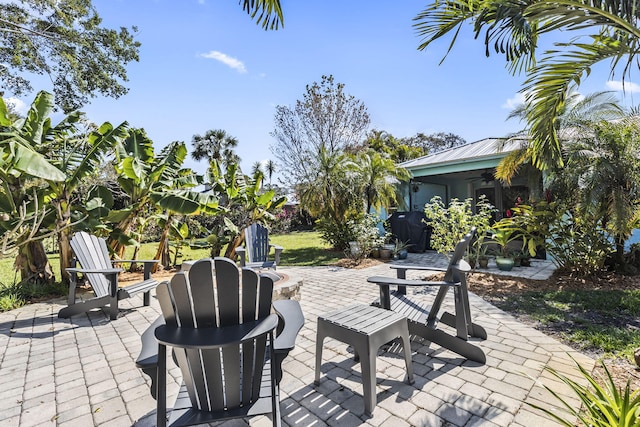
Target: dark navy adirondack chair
423 321
92 254
255 253
228 345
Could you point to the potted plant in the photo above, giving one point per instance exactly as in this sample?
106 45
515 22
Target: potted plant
503 234
483 256
400 250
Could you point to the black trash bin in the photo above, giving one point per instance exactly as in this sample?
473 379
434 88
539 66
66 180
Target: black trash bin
411 227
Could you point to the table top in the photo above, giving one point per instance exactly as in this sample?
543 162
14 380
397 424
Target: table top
362 318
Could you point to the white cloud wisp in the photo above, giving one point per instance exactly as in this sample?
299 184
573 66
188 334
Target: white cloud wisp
227 60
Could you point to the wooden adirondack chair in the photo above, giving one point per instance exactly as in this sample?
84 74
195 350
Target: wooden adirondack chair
92 254
223 337
255 254
424 321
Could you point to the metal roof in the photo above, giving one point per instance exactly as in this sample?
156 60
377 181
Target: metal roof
485 148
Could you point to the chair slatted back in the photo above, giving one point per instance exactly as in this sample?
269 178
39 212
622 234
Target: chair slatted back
256 238
451 274
92 253
231 377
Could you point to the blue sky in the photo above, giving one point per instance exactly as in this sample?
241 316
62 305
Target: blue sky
205 65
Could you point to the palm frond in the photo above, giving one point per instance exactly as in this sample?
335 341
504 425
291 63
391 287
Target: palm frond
265 12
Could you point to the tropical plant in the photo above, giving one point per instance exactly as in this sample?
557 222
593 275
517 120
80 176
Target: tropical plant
379 177
24 167
577 112
153 182
242 202
604 404
605 30
605 166
575 241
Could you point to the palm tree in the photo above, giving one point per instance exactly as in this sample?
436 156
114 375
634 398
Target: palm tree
577 111
215 145
513 29
605 167
379 177
270 169
256 167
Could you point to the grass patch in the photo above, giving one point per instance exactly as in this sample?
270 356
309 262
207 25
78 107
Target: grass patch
606 322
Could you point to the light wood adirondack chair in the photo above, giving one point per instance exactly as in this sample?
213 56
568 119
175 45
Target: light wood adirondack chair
92 254
255 254
223 337
423 321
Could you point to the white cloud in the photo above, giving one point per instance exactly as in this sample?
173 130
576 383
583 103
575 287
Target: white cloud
513 102
17 105
625 86
227 60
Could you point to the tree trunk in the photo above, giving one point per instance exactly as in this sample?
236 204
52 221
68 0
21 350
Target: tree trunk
33 263
66 254
233 245
162 254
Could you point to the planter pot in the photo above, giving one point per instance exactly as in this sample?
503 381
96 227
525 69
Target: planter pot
375 253
385 253
517 262
504 264
483 262
403 254
525 262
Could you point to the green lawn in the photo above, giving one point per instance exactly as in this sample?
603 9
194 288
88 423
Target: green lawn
601 321
300 248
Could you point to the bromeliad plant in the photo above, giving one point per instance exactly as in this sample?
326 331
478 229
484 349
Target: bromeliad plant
604 405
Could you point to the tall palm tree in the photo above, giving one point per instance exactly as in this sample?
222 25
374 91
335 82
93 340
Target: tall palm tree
270 169
606 30
256 167
215 145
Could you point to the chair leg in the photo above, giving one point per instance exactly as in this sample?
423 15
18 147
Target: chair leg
146 298
161 402
319 341
113 308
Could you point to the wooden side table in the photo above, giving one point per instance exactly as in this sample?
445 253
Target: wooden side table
366 329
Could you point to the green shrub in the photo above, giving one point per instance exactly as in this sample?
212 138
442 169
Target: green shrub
603 405
449 225
366 235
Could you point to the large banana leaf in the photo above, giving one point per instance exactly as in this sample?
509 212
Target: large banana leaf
28 161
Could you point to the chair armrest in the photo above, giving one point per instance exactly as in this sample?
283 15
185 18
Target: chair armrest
95 270
148 265
148 357
291 321
381 281
278 250
243 256
144 261
416 267
209 338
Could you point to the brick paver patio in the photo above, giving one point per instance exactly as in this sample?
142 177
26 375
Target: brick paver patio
81 372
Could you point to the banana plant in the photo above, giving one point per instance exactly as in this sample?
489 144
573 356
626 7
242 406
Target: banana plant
24 164
153 182
242 202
